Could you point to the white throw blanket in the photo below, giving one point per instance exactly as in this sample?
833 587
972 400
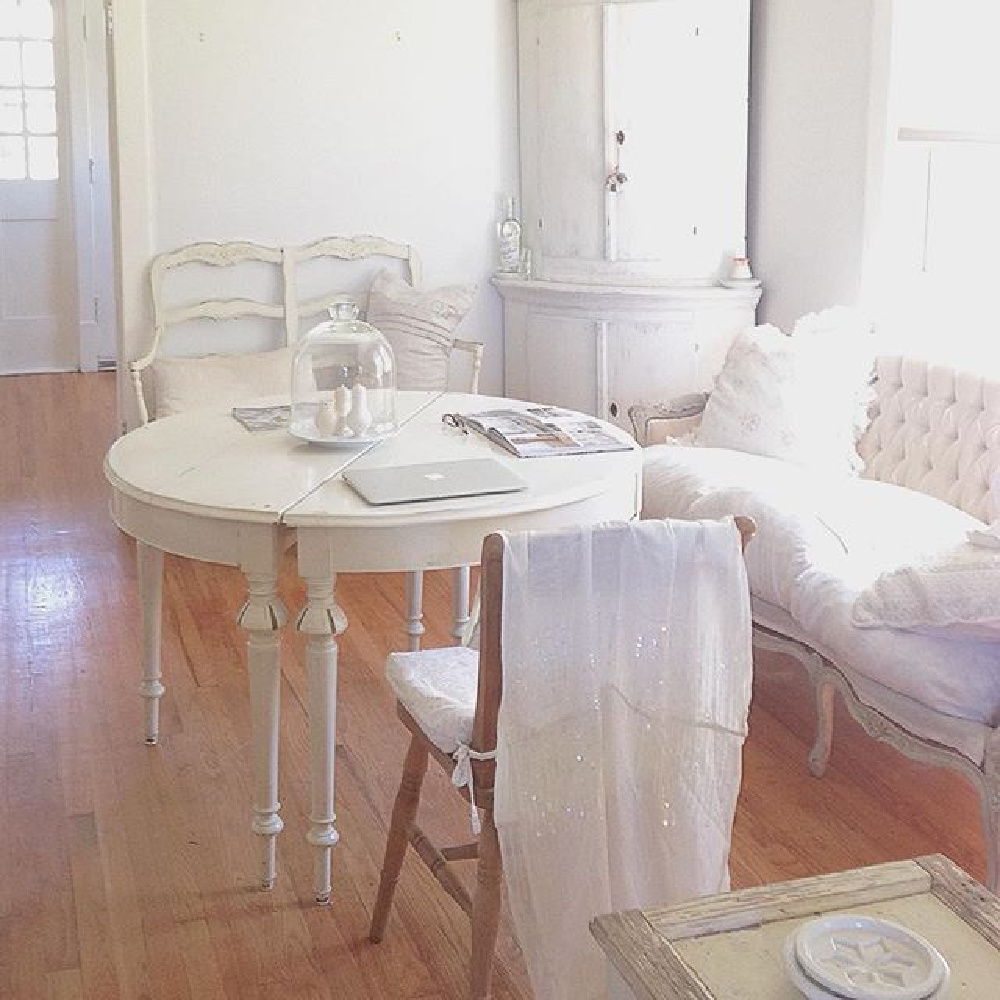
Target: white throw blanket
627 675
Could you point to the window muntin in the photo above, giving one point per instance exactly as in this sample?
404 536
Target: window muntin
29 144
940 196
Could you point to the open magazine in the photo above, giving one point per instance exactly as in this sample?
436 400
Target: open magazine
263 418
541 430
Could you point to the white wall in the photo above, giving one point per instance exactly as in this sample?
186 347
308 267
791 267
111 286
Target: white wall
813 167
285 122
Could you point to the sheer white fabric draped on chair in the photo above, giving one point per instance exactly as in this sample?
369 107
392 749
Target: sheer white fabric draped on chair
627 674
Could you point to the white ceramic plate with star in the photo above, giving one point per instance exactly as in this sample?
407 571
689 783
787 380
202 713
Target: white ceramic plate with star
859 957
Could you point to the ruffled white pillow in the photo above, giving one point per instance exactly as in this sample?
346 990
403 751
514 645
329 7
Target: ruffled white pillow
956 592
797 398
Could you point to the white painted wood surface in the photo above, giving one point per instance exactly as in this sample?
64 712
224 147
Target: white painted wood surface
270 284
199 485
633 127
603 348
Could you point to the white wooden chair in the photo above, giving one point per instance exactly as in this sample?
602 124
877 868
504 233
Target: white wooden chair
268 281
449 700
227 317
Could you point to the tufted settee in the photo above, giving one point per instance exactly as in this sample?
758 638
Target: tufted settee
827 540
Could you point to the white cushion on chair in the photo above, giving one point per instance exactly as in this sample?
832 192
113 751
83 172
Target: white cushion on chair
220 380
420 326
438 688
793 397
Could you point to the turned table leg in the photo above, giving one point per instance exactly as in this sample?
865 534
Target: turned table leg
460 576
149 567
414 609
320 621
262 616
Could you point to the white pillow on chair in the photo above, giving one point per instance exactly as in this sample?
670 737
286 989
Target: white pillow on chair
220 380
792 397
419 325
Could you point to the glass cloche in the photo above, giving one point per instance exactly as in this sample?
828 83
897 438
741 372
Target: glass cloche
343 382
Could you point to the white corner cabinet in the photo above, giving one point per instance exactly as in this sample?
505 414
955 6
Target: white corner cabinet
601 348
633 150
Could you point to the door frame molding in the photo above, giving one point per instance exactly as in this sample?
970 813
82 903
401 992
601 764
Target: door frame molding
132 185
89 182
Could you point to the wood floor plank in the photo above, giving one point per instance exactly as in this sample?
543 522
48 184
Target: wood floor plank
128 872
94 930
66 985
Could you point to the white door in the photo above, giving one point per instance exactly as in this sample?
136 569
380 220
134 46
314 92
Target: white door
54 266
36 281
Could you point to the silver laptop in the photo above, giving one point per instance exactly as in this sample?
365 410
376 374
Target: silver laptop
469 477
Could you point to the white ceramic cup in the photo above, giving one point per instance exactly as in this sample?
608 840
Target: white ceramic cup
740 270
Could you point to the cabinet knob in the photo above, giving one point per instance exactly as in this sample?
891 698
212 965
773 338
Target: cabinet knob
613 409
615 180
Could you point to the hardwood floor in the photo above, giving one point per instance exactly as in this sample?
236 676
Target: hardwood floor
127 871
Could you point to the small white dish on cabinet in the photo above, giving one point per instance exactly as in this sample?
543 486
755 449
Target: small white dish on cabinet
857 957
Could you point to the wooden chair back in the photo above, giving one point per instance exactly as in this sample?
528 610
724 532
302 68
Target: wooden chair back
490 684
483 906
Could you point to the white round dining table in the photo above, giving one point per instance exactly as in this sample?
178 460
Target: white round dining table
200 485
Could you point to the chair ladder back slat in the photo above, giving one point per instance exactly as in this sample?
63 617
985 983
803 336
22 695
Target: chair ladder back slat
221 309
344 248
475 351
290 293
490 687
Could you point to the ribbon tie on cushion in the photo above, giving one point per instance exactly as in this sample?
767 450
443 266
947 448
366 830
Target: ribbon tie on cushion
464 755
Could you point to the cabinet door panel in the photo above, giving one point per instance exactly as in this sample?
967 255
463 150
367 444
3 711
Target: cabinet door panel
562 361
676 80
651 361
562 131
656 359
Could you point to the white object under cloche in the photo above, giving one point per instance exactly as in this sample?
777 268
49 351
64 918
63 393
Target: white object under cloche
343 382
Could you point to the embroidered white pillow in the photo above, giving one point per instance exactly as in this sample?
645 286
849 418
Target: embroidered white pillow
956 592
419 325
220 380
792 397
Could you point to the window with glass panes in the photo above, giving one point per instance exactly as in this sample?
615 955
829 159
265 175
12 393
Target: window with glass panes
29 146
932 285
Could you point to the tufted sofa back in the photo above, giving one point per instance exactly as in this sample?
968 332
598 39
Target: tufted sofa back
937 430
